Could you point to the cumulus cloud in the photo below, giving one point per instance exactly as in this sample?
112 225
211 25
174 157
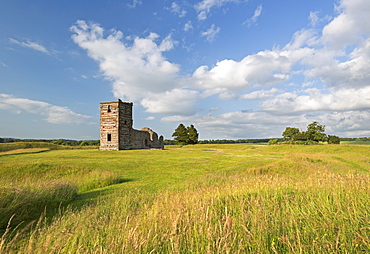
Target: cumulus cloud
174 102
31 45
352 72
135 70
350 25
266 68
204 7
53 114
211 32
313 100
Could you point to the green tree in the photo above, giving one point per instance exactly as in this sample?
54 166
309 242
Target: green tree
290 132
333 139
193 135
181 135
315 132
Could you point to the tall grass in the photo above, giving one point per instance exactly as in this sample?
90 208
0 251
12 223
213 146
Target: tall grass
214 199
33 183
29 202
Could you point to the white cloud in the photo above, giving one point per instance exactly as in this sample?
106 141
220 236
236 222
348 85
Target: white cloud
174 102
349 73
347 124
31 45
176 9
302 38
313 100
135 3
205 6
350 25
255 16
53 114
266 68
150 118
135 70
188 26
211 33
314 19
261 94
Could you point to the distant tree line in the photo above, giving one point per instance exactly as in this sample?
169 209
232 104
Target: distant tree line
65 142
233 141
226 141
356 139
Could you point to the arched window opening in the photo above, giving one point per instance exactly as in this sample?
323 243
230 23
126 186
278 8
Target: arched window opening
109 110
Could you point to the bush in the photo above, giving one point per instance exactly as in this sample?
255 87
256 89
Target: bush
333 139
273 142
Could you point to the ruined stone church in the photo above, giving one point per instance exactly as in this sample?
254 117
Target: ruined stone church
117 133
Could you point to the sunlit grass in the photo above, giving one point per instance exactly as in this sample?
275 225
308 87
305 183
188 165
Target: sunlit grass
196 199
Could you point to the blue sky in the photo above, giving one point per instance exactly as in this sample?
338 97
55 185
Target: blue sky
233 68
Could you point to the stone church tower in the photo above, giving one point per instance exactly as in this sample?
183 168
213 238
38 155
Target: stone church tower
116 129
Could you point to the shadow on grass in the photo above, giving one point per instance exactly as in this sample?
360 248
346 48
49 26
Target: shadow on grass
48 211
24 151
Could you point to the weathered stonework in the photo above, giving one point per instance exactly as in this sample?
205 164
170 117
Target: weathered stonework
117 133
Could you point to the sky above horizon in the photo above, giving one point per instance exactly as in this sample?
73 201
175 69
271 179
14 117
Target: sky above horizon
235 69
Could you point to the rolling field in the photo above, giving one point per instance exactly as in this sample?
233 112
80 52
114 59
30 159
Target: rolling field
191 199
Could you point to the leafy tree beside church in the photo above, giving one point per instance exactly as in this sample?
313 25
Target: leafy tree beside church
193 135
181 135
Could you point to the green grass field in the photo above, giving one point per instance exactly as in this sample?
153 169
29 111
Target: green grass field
191 199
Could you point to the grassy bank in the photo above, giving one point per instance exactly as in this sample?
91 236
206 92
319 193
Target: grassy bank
5 147
199 199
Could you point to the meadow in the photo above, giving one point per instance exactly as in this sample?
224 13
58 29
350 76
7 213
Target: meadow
238 198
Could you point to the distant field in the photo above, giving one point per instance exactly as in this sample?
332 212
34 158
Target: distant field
357 142
192 199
